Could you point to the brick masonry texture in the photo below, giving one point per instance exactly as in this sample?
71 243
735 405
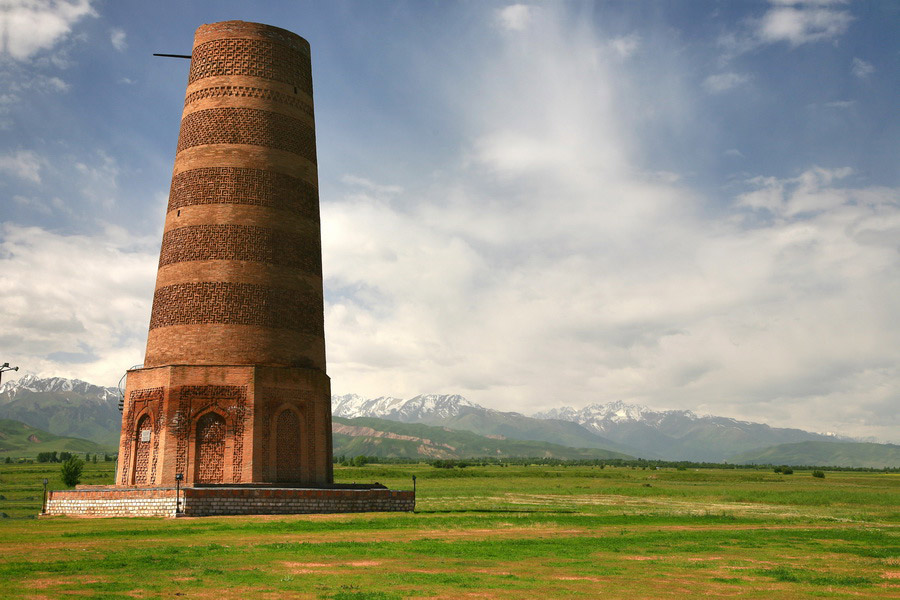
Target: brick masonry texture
237 304
233 389
202 502
248 126
235 185
243 91
251 58
239 242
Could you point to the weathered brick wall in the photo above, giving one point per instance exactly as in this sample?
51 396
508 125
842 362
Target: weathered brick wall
203 502
111 503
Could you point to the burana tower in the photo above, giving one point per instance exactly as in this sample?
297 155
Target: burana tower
233 388
231 411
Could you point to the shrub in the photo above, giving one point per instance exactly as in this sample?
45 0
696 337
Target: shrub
71 471
787 470
43 457
819 474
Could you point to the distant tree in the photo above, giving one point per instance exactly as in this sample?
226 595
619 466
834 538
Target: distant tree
71 471
64 456
94 459
819 474
8 459
786 470
359 461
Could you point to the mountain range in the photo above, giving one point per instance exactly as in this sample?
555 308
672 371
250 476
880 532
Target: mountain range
64 407
626 428
73 408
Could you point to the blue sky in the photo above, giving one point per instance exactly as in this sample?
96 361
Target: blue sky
678 204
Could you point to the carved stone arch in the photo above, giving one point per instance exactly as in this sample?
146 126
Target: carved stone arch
210 432
288 458
143 443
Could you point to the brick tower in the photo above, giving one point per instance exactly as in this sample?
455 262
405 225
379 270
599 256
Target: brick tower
233 388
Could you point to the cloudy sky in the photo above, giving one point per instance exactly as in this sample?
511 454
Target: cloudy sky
691 205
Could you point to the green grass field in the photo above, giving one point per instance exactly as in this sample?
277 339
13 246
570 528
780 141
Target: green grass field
484 532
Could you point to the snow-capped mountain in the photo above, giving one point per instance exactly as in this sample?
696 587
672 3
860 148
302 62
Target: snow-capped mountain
599 417
678 434
32 383
419 409
604 417
65 407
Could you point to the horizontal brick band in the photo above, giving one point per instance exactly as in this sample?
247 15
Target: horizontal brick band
237 185
252 58
239 242
242 91
248 126
238 304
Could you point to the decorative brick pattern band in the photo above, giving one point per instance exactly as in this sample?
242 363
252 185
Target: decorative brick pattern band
237 304
250 126
244 29
243 91
239 242
252 58
237 185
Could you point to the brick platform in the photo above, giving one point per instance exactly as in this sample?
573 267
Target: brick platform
90 501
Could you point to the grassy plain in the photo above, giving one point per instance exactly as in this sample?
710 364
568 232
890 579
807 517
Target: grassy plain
484 532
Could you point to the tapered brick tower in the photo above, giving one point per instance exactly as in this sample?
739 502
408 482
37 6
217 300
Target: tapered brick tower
233 388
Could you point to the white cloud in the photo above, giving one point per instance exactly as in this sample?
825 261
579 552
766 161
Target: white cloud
549 269
99 180
802 23
861 68
734 152
371 186
625 46
30 26
515 17
75 295
795 22
723 82
24 164
117 39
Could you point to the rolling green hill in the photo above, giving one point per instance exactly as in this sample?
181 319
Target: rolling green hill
384 438
18 439
824 454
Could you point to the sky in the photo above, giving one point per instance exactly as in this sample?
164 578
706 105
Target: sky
682 205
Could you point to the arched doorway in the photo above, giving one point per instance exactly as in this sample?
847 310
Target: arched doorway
287 446
210 455
142 440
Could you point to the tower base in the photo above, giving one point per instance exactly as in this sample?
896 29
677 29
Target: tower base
103 501
225 424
